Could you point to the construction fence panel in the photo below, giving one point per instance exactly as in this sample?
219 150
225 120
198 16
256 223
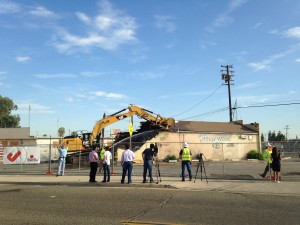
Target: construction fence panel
221 160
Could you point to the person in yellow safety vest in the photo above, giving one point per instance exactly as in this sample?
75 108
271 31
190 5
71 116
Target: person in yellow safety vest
267 157
185 155
101 158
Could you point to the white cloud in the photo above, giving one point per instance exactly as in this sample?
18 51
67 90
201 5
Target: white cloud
159 72
43 12
248 100
34 108
148 75
83 17
22 59
259 66
234 4
297 60
165 22
224 19
91 74
54 76
249 85
2 73
266 64
108 95
9 7
240 56
292 32
257 25
107 30
69 99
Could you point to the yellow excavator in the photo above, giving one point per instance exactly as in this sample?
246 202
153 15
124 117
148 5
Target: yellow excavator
85 141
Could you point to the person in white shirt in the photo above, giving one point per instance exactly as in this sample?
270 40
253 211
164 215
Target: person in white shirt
127 164
106 165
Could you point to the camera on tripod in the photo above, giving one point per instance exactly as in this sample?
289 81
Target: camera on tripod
200 156
202 167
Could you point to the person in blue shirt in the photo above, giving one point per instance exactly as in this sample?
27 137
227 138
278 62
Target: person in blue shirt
148 162
61 160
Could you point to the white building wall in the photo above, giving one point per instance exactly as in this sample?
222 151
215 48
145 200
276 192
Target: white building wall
213 146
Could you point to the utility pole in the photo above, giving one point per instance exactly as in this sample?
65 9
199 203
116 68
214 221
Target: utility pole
29 108
226 76
286 132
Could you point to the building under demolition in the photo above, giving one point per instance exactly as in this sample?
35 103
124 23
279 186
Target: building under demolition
215 140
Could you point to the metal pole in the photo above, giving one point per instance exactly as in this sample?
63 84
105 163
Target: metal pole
113 159
79 160
223 160
130 135
49 163
229 94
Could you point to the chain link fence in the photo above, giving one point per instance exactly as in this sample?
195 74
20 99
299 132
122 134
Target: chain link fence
221 160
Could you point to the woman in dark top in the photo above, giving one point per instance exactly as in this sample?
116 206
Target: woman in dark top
276 164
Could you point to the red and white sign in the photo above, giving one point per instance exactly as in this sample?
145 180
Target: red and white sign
21 155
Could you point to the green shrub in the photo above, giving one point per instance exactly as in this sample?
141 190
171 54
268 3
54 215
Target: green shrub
253 154
170 157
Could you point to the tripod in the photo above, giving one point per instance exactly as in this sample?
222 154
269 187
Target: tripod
157 169
202 167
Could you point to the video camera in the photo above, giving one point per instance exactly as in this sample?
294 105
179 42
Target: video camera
155 150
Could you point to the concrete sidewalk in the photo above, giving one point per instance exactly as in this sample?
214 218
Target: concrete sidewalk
256 186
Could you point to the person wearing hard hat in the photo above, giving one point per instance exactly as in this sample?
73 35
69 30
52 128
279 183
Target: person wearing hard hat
267 157
185 155
101 154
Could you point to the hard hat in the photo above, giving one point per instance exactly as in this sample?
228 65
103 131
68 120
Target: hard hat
185 144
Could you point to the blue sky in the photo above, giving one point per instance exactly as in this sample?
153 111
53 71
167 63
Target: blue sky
72 62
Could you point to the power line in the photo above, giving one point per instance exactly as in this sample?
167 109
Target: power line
199 102
252 106
207 113
261 106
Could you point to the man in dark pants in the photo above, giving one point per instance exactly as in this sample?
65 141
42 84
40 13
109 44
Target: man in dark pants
93 158
185 155
148 162
127 164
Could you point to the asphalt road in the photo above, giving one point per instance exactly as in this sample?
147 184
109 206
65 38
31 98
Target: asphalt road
33 204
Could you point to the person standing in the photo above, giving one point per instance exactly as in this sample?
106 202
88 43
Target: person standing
185 155
267 157
127 164
276 164
61 160
93 158
147 155
106 165
101 159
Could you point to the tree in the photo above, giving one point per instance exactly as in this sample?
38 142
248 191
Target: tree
280 136
74 133
61 132
273 136
262 138
269 135
6 119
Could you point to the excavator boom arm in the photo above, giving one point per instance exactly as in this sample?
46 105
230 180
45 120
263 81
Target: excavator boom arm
133 110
